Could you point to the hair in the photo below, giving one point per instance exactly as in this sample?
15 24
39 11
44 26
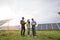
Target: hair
22 17
32 19
28 21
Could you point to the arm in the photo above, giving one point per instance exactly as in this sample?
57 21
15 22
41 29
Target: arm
20 22
35 23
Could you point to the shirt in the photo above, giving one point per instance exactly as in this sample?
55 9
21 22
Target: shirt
22 23
28 25
33 23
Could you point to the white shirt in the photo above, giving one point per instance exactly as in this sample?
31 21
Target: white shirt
33 23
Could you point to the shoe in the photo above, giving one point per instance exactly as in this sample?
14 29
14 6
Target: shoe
28 36
35 36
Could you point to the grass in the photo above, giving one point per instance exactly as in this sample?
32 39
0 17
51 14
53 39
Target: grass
41 35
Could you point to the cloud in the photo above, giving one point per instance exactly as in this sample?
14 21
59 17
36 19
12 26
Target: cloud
43 11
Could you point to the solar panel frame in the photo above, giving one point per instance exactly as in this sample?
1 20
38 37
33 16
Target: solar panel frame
52 26
57 25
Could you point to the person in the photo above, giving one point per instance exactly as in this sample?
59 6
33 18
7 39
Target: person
28 27
22 22
33 23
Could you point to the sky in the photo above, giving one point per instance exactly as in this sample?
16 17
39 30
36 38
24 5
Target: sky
43 11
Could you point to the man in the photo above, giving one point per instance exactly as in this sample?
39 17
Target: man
33 23
22 22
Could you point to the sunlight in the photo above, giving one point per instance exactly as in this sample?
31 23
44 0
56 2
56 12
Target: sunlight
6 13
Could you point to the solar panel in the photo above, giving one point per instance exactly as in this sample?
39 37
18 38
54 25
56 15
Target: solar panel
43 26
58 24
55 27
3 28
49 27
39 27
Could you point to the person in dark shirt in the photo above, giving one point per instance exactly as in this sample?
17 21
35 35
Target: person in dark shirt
22 22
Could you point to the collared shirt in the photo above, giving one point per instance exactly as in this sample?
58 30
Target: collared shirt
33 23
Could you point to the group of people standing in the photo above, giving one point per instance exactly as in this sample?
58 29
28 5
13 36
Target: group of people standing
28 24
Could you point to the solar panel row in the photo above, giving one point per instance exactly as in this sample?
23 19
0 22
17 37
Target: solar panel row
50 26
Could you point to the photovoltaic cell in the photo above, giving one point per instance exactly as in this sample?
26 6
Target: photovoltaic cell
49 27
58 24
55 27
43 26
39 27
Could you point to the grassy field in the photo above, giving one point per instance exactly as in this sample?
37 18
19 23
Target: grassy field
41 35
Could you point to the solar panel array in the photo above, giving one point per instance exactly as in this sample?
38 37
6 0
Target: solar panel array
49 26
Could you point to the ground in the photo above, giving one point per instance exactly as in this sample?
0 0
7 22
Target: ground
41 35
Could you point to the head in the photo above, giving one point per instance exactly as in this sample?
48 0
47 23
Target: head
32 19
22 18
28 21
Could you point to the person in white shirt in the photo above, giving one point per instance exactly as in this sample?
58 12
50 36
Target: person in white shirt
33 23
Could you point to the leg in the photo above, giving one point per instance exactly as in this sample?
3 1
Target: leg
33 31
24 31
21 31
28 31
